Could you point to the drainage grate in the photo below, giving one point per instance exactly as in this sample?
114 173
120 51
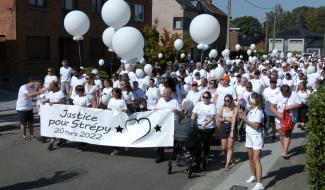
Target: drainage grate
236 187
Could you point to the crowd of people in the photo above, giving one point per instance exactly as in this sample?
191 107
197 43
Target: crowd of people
245 104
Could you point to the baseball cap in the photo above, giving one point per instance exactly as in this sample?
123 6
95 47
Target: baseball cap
194 83
225 77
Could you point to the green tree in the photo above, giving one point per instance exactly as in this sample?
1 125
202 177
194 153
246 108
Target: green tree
163 44
248 25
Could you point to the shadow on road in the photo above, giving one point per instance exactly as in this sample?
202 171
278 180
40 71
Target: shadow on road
283 173
58 177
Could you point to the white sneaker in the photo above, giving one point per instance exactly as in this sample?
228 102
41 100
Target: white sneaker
251 179
258 186
115 152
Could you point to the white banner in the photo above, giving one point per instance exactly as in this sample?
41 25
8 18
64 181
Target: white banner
103 127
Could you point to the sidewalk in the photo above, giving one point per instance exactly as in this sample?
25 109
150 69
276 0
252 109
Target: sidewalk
7 100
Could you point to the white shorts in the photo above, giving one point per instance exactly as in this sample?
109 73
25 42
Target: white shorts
254 141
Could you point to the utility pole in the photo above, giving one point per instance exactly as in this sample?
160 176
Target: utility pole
324 43
274 24
267 35
228 24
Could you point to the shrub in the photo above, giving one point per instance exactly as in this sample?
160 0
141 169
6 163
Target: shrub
102 74
315 147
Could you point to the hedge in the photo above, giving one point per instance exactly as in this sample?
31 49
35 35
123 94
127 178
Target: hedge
315 147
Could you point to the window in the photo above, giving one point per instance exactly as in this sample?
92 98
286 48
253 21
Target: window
37 48
69 5
96 6
36 3
3 56
138 12
296 41
181 23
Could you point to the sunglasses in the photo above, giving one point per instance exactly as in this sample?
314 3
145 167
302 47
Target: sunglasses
212 83
227 100
206 97
49 71
87 78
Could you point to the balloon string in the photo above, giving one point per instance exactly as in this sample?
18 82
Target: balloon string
79 50
202 51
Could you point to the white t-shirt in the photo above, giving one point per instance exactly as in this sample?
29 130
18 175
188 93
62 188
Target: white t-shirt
91 91
195 97
269 95
82 101
303 96
257 85
55 97
117 105
24 103
48 79
107 92
116 84
75 82
170 105
222 92
288 82
65 73
281 102
204 112
256 116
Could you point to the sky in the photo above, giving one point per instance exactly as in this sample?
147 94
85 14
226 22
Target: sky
242 8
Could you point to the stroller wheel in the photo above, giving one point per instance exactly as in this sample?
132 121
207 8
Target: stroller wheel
169 169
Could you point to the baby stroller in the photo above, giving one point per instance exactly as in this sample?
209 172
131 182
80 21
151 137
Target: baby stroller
187 145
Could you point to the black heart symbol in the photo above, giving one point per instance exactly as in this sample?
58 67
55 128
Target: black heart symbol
138 120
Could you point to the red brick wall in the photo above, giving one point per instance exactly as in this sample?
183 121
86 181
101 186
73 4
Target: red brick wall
49 22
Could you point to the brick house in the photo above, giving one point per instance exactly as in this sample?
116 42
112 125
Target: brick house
32 35
176 16
258 39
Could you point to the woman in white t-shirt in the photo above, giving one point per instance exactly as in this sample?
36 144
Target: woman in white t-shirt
286 100
106 93
194 95
303 93
227 119
205 112
92 90
288 81
116 104
254 137
55 96
49 77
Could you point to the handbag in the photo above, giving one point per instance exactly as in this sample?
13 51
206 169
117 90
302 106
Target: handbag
286 121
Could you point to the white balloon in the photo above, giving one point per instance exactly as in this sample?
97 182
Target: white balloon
237 47
148 69
160 55
289 54
116 13
142 61
311 69
275 52
264 56
255 58
228 62
139 56
219 72
178 44
241 56
250 59
205 47
200 46
105 99
139 73
252 46
108 36
187 104
282 55
128 42
249 52
183 55
213 53
155 93
226 53
289 60
101 62
204 29
76 23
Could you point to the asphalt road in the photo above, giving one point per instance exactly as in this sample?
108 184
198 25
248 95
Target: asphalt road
26 164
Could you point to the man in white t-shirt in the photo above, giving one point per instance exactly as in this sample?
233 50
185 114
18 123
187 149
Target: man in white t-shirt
65 77
24 106
76 80
167 103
